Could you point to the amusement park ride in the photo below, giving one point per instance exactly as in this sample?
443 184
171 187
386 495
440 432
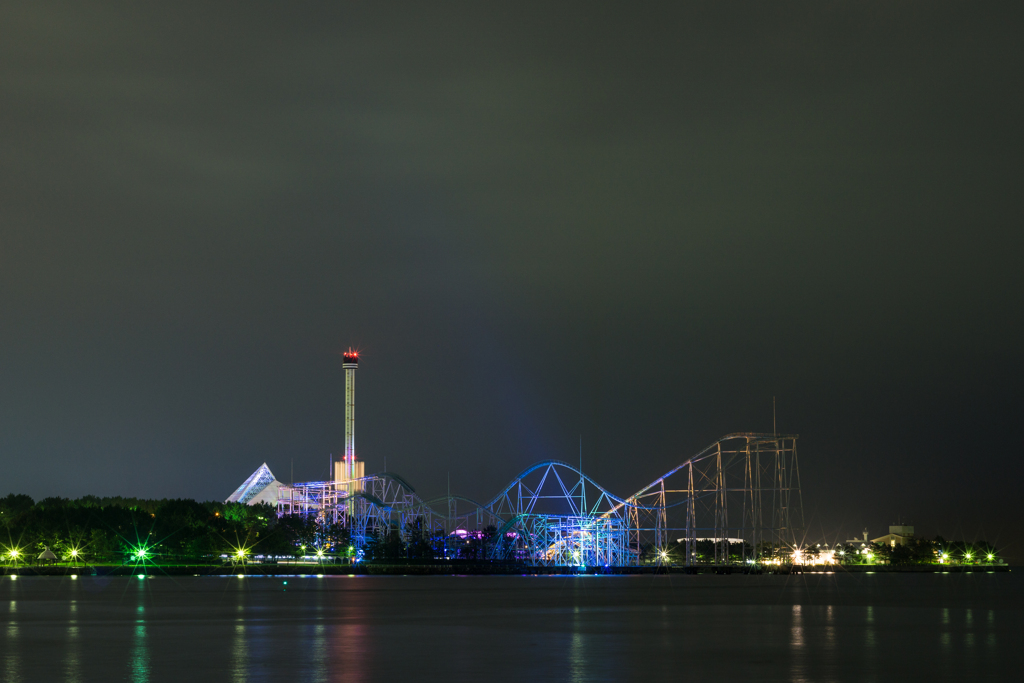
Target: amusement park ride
743 489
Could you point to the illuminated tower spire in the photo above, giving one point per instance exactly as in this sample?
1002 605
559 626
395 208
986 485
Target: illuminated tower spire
351 362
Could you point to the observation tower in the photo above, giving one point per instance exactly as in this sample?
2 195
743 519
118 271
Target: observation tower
349 467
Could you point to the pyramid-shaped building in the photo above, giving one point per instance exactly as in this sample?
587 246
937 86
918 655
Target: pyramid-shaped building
260 487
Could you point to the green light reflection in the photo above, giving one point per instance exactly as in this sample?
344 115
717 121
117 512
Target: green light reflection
138 662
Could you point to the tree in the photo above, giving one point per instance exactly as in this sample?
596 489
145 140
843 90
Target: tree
12 506
419 546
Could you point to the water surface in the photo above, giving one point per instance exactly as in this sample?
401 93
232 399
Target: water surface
821 627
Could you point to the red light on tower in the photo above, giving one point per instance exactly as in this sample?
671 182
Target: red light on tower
351 356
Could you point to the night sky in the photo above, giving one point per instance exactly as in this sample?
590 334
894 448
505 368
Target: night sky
634 225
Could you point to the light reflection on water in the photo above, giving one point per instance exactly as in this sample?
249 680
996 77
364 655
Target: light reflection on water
869 630
240 655
798 669
529 629
240 665
828 647
830 630
318 654
351 650
796 629
945 638
72 665
577 656
352 647
138 661
12 660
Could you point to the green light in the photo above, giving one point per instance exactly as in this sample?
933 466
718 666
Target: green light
14 553
967 556
320 553
990 557
74 552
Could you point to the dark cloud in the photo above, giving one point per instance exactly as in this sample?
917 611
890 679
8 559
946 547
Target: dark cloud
634 225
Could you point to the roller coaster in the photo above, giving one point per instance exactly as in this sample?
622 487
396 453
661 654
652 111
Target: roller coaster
741 495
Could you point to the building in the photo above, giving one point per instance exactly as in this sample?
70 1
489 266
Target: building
898 534
862 542
260 487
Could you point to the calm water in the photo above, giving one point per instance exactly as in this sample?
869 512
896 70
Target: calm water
742 628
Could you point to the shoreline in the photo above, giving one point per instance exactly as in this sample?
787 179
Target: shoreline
449 569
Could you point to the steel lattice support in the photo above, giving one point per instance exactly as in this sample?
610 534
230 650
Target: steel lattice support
543 515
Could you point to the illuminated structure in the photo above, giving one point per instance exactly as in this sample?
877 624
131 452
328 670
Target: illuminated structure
899 534
350 470
260 487
742 492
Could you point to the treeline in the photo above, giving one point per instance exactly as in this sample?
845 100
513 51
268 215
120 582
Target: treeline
922 551
419 543
913 551
182 531
116 529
